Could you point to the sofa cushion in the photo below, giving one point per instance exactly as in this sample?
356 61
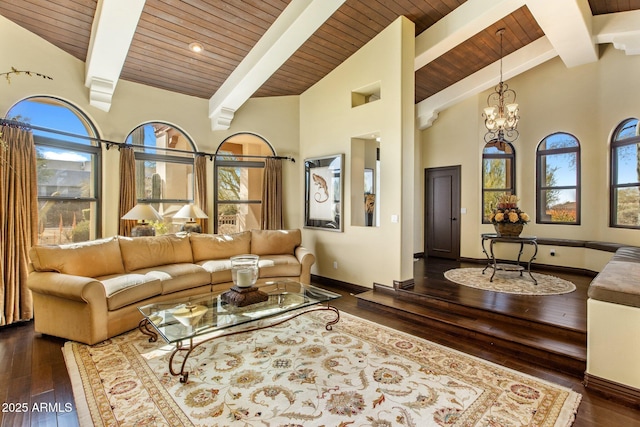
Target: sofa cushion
275 242
279 265
126 289
219 246
177 277
89 259
151 251
617 283
219 269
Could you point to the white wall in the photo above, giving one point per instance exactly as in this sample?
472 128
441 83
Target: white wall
587 101
275 119
327 125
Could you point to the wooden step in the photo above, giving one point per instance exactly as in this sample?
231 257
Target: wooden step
560 348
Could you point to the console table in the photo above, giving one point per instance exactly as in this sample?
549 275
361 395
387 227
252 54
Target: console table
491 258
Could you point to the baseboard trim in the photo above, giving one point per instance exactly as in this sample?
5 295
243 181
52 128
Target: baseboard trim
353 288
620 392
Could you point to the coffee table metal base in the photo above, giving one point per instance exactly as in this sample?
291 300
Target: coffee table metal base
146 328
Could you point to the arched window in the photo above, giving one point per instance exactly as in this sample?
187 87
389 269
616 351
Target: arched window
498 175
558 180
68 169
625 176
239 168
165 158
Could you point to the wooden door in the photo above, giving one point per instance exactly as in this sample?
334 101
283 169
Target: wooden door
442 211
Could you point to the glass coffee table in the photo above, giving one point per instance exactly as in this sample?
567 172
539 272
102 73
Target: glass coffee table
189 322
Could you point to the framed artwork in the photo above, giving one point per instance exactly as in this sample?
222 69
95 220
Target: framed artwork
323 192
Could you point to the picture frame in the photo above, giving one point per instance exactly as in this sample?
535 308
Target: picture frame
323 192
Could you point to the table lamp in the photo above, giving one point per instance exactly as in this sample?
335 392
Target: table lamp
142 213
191 212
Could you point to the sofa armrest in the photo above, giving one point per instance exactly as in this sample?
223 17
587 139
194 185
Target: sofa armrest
67 286
306 260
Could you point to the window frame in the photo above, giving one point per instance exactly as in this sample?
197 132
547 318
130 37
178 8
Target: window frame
539 176
93 148
225 159
512 170
613 178
187 158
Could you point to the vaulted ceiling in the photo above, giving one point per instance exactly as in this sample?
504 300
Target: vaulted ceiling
257 48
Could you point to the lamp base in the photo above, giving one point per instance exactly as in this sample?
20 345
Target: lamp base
191 227
143 230
240 297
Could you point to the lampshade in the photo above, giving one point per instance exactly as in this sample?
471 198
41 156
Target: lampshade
190 211
143 212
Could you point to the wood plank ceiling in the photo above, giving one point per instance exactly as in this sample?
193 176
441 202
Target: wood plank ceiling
228 30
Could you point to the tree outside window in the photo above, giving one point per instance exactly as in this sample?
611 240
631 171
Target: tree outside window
625 176
558 180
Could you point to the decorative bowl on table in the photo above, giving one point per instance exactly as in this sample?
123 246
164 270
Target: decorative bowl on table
189 314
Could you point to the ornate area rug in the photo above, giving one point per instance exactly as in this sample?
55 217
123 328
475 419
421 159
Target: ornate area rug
299 374
510 281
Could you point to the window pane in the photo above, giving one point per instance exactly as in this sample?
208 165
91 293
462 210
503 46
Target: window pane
627 206
164 180
62 222
55 114
152 136
64 173
628 164
628 129
560 169
559 206
558 140
237 217
228 183
495 173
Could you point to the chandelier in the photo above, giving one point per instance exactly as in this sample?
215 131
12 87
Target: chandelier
501 114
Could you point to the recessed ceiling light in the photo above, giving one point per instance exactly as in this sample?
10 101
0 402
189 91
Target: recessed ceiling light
195 47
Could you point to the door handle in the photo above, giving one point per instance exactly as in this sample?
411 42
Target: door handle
454 219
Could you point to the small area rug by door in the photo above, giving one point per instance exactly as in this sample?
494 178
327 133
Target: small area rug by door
510 281
299 374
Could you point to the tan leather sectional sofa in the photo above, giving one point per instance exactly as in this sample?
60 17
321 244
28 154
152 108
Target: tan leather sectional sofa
90 291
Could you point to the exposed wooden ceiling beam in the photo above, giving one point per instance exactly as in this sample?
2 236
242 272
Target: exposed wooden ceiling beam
464 22
111 34
293 27
568 26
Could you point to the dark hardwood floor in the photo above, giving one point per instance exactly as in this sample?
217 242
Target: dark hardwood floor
35 388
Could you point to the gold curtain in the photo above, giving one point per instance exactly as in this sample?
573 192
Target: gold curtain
18 222
271 217
127 189
201 190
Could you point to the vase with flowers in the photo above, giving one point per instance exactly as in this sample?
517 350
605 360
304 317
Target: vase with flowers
507 218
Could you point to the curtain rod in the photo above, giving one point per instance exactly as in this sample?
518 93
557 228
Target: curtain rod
109 144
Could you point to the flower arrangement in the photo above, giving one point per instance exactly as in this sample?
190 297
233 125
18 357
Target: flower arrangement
508 212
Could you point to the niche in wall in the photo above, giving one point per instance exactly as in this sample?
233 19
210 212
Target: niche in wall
365 95
365 181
